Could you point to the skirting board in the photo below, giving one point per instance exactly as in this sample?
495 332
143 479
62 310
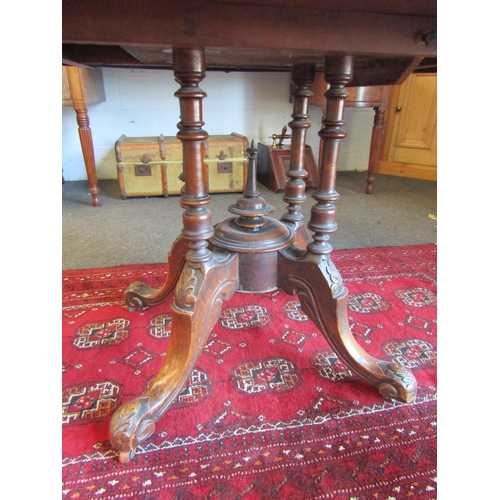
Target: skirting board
408 170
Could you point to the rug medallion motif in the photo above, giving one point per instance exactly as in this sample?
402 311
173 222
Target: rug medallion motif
269 411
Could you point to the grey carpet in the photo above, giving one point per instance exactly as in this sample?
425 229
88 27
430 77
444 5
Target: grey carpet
142 230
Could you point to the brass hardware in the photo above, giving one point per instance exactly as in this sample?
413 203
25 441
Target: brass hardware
281 137
222 155
142 170
145 158
224 167
398 109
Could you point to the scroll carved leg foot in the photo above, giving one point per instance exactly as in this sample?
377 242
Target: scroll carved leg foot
139 295
200 291
323 297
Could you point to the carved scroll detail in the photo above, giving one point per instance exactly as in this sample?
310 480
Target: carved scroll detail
197 307
333 276
186 288
399 373
323 297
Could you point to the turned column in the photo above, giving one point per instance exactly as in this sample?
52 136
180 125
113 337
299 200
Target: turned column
295 187
376 144
82 118
338 73
189 71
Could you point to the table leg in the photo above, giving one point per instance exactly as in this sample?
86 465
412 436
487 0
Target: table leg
313 276
82 118
295 187
250 252
207 277
375 145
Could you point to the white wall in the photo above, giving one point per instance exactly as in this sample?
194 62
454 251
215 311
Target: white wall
142 103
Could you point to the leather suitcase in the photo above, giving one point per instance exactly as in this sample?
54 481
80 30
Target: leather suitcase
151 166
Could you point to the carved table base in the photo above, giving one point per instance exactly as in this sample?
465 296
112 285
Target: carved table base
251 252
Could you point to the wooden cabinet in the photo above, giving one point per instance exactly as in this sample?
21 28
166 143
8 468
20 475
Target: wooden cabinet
410 143
82 87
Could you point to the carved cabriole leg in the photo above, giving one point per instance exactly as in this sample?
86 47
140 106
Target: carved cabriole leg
312 275
207 277
323 297
197 306
376 144
139 295
295 187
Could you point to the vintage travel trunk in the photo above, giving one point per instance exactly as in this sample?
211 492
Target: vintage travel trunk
151 166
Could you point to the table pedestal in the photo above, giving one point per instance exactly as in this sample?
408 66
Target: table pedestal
251 252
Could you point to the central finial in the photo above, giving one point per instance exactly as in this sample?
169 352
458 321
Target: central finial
251 208
251 231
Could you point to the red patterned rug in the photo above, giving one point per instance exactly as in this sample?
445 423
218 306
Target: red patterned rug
269 411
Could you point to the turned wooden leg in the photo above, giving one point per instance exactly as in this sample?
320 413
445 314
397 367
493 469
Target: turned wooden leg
295 187
84 132
200 291
189 70
207 277
139 295
375 145
313 276
323 297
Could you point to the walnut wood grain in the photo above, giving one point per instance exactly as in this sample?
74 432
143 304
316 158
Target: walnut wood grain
323 297
250 251
295 187
338 72
139 295
189 71
199 295
254 34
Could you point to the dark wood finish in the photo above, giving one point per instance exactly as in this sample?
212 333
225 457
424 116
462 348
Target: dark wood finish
360 97
80 88
295 187
323 297
273 163
189 71
249 252
207 277
199 295
252 234
139 295
338 70
148 29
243 250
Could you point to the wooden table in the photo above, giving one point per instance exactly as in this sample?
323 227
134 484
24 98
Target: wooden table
82 87
356 42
